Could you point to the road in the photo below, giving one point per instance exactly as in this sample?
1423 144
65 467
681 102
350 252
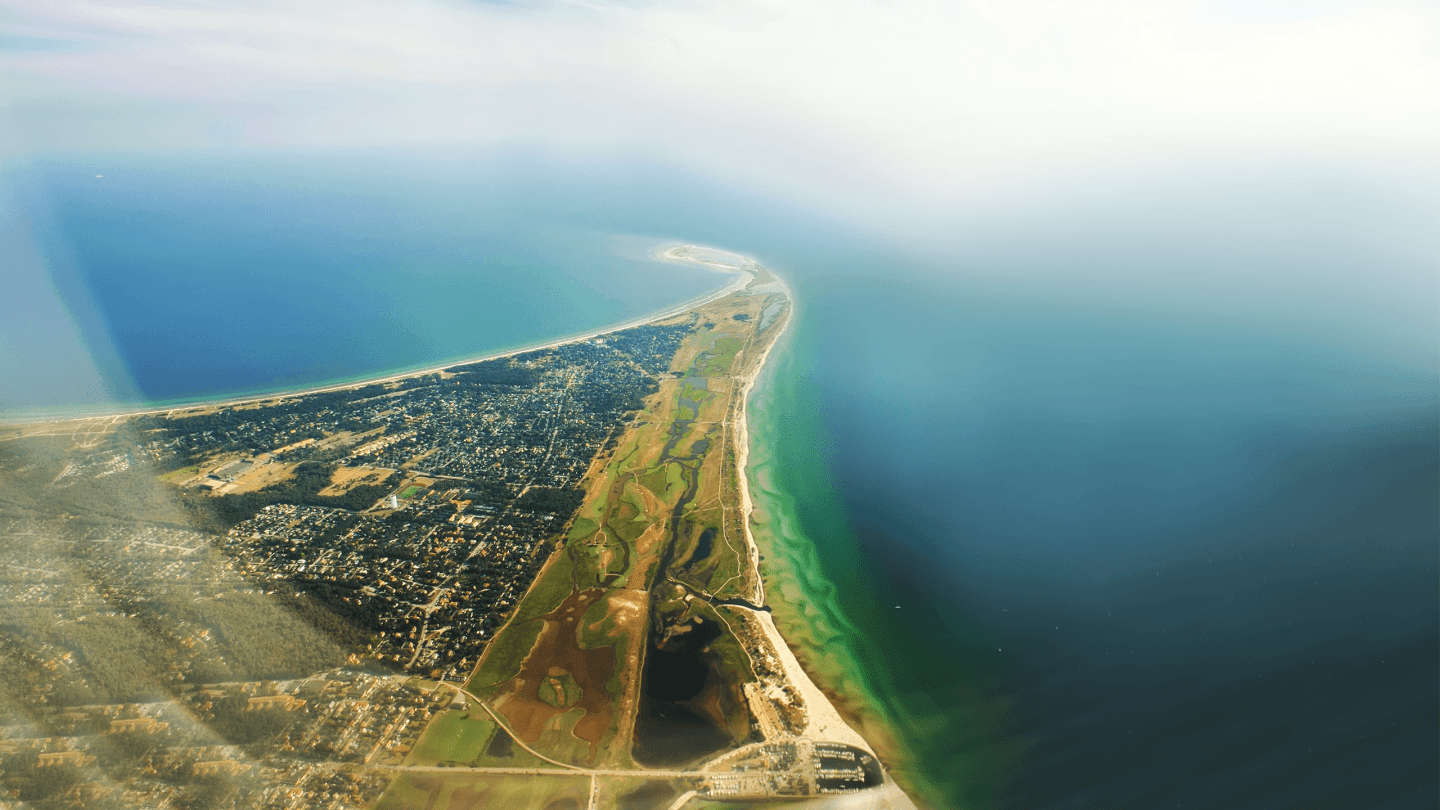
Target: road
553 771
560 769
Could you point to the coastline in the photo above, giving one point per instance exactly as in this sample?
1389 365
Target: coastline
117 410
812 639
825 718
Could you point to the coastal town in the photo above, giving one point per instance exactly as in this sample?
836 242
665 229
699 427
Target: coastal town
94 712
300 600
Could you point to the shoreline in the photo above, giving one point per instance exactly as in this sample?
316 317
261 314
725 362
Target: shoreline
121 410
824 720
826 724
854 707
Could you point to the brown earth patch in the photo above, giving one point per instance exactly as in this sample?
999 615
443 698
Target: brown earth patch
629 611
262 473
345 479
559 646
646 554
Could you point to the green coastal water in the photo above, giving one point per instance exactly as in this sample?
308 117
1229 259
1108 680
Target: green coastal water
841 641
1157 539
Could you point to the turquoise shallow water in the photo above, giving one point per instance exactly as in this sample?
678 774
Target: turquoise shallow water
1150 478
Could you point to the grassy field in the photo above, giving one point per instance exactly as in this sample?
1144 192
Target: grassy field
639 793
180 474
454 737
471 791
469 737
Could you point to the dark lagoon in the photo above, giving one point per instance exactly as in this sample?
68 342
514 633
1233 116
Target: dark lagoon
1115 501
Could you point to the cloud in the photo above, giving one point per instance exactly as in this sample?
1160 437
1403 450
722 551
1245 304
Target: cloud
905 97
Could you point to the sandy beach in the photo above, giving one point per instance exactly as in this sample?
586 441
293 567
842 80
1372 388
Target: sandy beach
824 721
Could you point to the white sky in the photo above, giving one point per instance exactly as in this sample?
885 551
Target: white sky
821 99
892 114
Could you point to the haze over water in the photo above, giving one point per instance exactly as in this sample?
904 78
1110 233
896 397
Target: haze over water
1130 494
1177 541
192 277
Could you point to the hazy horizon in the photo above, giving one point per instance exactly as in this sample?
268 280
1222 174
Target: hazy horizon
1104 433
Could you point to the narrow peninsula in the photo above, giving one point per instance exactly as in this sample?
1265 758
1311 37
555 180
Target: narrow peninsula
526 581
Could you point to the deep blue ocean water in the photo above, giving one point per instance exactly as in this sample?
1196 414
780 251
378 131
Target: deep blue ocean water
1132 498
197 278
1174 566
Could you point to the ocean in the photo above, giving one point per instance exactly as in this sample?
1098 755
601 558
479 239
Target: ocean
1105 500
201 278
1088 570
